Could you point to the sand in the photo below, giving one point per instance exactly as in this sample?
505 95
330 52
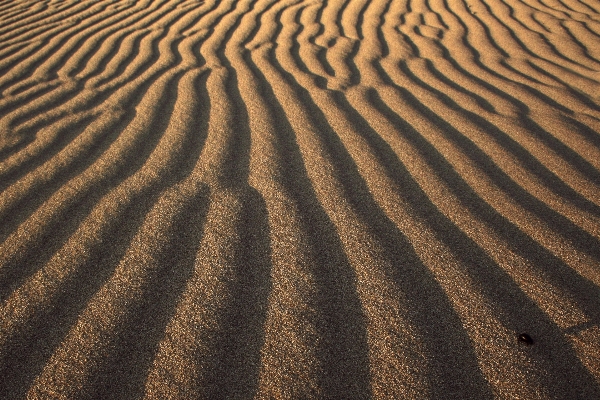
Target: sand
294 199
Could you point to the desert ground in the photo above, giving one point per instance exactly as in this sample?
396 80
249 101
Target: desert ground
300 199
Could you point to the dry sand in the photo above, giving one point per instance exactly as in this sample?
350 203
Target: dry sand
299 199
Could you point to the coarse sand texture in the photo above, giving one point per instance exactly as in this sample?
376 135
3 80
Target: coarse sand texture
300 199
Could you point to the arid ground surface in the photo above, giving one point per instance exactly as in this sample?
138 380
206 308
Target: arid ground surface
299 199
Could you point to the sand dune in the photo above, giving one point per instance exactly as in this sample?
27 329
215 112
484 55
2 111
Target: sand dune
299 199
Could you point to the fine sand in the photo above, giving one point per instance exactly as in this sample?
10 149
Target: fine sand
299 199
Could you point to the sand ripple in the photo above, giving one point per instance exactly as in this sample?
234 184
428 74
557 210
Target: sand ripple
299 199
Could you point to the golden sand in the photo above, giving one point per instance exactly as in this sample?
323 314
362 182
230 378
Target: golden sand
298 199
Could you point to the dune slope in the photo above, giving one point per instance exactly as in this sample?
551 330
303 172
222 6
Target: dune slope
299 199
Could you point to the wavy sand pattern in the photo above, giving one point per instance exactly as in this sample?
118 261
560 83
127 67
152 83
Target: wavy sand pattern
299 199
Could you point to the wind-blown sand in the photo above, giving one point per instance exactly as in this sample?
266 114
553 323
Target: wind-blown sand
299 199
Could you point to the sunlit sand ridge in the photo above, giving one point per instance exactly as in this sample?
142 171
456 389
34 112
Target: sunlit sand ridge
300 199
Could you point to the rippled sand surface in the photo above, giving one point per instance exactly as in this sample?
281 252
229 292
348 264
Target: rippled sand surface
299 199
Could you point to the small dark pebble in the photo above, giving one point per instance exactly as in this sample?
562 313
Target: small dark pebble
525 338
